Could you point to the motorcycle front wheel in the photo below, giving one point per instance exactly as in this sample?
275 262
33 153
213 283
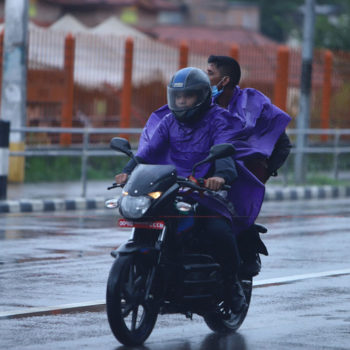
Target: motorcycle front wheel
131 317
217 323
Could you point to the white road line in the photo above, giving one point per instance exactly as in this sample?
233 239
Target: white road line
295 278
95 305
99 305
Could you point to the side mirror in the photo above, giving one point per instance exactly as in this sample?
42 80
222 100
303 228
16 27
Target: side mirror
121 145
222 150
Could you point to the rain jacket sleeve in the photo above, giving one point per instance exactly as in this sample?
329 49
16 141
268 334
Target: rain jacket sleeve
155 150
151 125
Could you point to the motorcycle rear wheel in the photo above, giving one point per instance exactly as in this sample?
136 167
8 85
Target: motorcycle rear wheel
217 323
130 316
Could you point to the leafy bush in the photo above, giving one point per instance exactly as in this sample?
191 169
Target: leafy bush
50 169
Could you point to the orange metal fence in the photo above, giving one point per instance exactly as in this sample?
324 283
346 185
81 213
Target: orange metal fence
115 81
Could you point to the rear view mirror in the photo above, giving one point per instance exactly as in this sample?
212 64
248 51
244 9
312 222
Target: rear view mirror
121 145
222 150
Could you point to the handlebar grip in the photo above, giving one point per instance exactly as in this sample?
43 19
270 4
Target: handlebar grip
202 183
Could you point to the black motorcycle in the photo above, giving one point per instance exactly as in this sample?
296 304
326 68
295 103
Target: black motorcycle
161 269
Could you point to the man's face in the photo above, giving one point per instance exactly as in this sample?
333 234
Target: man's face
185 99
214 74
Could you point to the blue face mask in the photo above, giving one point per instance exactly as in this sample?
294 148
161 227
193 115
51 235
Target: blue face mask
215 92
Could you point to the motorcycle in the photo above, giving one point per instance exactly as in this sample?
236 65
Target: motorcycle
163 268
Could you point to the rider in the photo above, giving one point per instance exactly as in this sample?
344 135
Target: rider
184 137
257 113
266 144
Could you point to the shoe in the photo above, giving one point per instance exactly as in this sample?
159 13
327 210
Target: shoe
251 266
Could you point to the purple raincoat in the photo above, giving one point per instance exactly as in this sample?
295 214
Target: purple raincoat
262 122
182 145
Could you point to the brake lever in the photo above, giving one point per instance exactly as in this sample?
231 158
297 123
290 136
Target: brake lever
115 185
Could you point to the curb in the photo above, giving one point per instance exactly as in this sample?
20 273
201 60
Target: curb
46 205
307 193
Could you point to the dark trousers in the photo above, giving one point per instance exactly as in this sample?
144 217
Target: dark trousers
216 232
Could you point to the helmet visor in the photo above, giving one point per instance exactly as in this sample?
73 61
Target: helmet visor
182 99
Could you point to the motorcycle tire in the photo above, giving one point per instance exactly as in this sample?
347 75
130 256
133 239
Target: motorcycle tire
220 324
130 316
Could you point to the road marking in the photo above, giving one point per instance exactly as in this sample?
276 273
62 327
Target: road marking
296 278
96 305
99 305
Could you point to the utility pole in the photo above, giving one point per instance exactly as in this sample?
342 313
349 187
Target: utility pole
14 81
303 119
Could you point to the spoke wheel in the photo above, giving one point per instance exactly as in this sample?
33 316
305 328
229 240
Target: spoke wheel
131 313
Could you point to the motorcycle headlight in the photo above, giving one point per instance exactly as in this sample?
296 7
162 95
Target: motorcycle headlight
135 207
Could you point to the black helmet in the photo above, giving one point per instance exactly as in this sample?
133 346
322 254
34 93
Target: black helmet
193 85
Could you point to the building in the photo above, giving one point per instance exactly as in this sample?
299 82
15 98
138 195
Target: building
147 13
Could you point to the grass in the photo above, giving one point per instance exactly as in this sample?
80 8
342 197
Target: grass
52 169
322 180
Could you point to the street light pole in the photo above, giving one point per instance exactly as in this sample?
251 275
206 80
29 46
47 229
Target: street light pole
14 79
303 119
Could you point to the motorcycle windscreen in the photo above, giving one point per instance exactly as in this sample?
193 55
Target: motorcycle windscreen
148 178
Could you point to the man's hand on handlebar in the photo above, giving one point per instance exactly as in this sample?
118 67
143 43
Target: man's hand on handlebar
121 178
214 183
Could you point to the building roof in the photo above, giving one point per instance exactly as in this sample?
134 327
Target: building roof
201 33
148 4
68 23
93 2
113 26
158 5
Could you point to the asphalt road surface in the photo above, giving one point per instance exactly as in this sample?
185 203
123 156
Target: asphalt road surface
57 261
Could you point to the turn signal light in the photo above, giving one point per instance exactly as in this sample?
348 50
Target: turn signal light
155 195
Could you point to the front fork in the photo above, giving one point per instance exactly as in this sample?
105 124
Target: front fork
153 259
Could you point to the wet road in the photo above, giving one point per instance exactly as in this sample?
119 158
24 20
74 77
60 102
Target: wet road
55 259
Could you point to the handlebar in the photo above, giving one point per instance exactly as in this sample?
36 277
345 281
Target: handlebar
185 182
188 183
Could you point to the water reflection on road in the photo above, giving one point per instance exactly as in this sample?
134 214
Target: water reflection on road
212 341
55 258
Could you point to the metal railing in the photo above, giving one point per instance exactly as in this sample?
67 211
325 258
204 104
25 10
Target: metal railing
84 150
334 147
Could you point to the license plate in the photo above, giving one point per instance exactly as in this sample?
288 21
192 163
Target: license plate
154 225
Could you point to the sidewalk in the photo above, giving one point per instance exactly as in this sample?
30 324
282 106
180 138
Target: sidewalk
67 195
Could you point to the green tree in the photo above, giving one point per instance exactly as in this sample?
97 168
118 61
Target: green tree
333 32
277 18
280 18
